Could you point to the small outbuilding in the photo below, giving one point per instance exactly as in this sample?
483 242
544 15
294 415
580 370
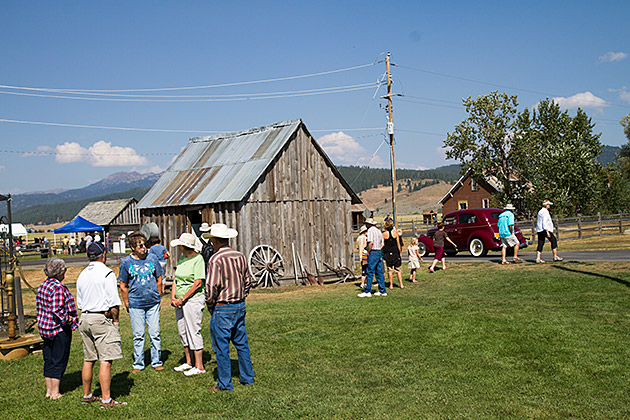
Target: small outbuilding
468 193
116 216
274 184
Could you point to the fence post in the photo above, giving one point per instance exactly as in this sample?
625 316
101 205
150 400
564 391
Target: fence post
620 223
533 229
599 222
557 229
579 220
413 228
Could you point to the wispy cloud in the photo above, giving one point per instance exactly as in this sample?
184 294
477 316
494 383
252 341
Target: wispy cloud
611 57
624 93
100 154
581 100
343 149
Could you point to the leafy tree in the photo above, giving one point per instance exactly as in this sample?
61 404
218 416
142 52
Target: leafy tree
487 141
558 157
624 154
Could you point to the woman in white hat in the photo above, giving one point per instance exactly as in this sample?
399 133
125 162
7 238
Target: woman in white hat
188 298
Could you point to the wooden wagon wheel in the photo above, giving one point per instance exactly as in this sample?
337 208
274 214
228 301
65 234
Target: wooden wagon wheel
266 266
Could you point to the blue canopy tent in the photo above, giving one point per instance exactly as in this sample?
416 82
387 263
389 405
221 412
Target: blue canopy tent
79 224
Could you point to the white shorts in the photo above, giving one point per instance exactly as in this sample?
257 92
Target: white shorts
509 241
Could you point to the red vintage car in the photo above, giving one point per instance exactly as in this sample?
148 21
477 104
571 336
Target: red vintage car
474 230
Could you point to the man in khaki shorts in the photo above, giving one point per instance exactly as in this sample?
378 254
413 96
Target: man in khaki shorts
97 297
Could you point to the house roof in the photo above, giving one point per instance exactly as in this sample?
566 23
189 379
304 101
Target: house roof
104 212
491 180
225 167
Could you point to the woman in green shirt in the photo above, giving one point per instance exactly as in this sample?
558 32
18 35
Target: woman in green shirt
187 297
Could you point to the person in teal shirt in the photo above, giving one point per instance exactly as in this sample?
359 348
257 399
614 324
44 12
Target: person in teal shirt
187 296
508 234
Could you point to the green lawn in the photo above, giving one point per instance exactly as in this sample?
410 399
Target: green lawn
478 341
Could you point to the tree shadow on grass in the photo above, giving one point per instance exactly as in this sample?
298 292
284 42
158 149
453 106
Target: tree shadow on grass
615 279
70 382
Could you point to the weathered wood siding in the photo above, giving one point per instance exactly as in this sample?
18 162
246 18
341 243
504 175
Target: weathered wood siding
129 216
297 200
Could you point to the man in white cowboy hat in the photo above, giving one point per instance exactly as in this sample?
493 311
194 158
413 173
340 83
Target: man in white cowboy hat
374 262
227 285
544 229
508 234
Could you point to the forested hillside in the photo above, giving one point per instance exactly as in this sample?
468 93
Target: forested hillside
66 211
364 178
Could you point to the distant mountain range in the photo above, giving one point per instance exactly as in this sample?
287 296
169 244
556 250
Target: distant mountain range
115 183
59 205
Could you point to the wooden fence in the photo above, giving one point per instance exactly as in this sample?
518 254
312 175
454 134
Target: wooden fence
566 228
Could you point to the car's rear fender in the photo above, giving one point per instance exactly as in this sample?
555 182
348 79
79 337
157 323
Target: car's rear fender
488 240
428 242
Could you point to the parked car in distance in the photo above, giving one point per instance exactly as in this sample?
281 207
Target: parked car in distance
474 230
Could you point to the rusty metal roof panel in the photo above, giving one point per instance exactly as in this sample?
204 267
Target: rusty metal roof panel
219 168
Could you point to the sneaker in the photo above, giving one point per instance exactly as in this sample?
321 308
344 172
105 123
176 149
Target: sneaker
540 262
112 403
558 259
182 368
378 294
194 371
365 294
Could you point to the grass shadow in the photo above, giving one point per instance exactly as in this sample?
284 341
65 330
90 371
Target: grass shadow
121 384
234 369
70 382
572 270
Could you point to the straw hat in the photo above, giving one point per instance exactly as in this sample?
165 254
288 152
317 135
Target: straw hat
547 202
204 227
509 207
188 240
362 229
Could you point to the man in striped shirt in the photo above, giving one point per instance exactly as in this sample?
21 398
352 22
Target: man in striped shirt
227 285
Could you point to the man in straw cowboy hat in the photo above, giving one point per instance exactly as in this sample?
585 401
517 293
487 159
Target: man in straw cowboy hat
227 285
544 229
508 234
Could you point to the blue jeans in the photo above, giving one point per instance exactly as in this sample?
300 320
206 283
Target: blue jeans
150 316
375 267
228 324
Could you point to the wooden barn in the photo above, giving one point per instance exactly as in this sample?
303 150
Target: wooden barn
274 184
116 216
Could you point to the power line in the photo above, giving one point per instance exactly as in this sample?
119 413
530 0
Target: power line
497 84
326 91
277 79
106 127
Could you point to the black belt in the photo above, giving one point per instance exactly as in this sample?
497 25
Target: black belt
230 303
94 312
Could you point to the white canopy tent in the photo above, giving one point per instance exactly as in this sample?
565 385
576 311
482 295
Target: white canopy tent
17 229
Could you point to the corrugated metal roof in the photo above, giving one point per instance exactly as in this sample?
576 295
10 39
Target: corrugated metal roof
219 168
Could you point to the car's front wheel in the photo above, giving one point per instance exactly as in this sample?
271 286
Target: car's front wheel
422 249
477 248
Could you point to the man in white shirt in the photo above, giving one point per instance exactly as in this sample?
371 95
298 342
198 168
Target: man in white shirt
98 299
544 229
375 262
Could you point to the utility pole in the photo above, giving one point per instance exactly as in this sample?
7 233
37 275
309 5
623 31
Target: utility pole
390 131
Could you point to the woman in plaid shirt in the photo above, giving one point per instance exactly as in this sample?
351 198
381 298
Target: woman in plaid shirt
56 318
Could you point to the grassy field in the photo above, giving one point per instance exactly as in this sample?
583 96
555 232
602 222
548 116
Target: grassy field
476 341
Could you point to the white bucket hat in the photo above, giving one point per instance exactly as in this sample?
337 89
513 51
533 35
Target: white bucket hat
509 207
204 227
188 240
219 230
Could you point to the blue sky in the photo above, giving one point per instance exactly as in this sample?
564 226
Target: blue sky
578 52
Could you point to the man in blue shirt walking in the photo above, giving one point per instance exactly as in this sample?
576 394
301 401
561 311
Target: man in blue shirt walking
508 234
